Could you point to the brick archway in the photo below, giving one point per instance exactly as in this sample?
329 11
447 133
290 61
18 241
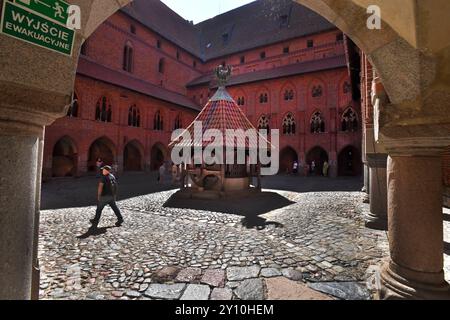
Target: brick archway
349 161
133 156
64 158
104 149
287 158
315 159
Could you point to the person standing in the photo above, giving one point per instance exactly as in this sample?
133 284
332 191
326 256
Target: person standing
161 173
313 167
107 195
174 173
295 168
326 167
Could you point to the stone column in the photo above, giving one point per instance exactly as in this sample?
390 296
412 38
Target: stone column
19 169
377 218
415 269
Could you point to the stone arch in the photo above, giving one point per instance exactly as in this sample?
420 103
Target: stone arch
133 156
64 158
288 156
315 159
103 148
159 154
349 161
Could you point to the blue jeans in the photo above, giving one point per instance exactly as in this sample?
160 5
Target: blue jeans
104 201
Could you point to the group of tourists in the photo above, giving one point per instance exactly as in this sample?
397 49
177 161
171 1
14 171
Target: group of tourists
311 169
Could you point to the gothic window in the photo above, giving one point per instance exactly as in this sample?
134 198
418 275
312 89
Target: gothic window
103 110
264 98
134 117
289 95
349 122
178 123
74 106
289 126
317 91
158 123
317 123
347 87
128 58
241 101
263 123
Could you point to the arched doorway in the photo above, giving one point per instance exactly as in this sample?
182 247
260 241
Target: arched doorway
158 155
287 158
349 162
132 157
317 156
64 159
104 149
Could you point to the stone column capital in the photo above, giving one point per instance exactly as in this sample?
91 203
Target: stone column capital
25 111
377 160
420 147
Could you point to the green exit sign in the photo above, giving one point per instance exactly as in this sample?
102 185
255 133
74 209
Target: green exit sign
39 22
53 9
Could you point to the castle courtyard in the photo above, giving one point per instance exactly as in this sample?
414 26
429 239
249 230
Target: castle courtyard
302 238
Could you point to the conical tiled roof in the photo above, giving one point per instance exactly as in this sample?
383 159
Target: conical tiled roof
220 113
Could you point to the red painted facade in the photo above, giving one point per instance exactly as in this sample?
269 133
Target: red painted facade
73 143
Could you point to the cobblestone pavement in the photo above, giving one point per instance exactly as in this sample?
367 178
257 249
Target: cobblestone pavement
281 244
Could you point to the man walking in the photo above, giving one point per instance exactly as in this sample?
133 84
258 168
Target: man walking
106 195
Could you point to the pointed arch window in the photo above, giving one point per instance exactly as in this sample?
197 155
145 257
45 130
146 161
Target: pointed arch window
289 95
317 123
74 106
241 101
134 117
317 91
289 125
128 58
178 123
158 123
263 123
349 121
103 110
264 98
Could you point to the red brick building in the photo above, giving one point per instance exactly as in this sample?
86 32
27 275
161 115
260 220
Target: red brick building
146 71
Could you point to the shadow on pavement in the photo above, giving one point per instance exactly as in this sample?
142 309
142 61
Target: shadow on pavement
94 232
251 207
65 193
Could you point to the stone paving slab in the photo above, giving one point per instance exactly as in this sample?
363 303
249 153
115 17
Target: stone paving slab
343 290
251 289
196 292
165 291
281 288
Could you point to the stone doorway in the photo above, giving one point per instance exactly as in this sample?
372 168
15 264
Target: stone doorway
349 162
157 156
287 158
104 149
132 157
319 156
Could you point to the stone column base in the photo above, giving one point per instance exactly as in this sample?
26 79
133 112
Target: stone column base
376 222
399 283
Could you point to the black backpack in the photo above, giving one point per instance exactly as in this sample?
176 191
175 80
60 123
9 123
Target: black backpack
114 185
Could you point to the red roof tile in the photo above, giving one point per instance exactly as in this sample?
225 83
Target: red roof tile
97 71
285 71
